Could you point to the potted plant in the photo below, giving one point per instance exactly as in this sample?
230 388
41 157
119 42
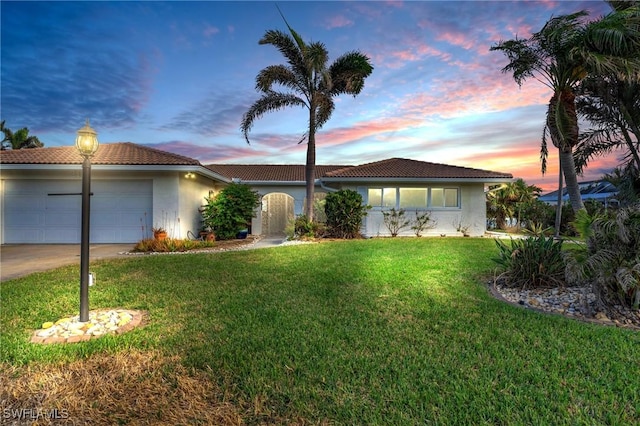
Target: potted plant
159 233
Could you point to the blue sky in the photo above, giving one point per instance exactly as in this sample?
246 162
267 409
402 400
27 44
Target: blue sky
179 75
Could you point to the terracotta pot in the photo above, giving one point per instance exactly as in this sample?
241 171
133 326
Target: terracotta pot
160 235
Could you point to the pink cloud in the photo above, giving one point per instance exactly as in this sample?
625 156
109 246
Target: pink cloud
457 39
339 21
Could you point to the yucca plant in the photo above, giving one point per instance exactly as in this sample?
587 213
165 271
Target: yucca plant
531 262
610 260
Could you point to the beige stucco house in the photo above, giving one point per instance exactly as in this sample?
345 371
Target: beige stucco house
135 188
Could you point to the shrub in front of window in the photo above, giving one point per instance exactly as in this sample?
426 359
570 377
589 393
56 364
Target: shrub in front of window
422 222
395 221
231 210
345 211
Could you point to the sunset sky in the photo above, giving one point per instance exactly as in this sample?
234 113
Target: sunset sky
178 76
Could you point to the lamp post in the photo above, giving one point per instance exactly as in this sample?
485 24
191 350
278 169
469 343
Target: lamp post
87 145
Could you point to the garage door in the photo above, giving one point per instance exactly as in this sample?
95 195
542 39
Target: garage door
49 211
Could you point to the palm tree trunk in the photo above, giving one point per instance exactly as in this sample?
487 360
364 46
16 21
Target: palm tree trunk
310 166
571 178
562 121
558 222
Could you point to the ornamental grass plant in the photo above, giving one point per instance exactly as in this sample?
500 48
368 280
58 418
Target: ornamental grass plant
532 262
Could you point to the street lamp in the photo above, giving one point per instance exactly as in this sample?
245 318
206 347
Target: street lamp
87 144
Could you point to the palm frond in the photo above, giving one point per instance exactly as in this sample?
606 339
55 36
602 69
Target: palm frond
325 106
594 143
348 73
272 101
276 74
316 57
289 49
524 59
544 150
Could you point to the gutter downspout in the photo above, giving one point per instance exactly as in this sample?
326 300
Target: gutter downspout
326 188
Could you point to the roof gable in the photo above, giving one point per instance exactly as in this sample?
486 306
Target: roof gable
121 153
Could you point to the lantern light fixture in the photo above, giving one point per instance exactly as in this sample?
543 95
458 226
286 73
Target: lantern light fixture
87 140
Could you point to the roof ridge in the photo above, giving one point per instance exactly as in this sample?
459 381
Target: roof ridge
156 150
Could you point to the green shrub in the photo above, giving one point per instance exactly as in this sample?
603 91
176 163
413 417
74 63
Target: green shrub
610 260
395 221
531 262
345 211
304 228
231 210
169 245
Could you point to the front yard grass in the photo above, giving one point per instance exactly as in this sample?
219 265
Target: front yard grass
383 331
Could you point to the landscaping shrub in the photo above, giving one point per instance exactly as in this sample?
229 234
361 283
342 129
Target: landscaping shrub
231 210
531 262
169 245
422 222
395 221
345 211
302 228
610 260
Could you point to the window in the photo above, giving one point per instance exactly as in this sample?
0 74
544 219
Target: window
382 197
444 197
414 198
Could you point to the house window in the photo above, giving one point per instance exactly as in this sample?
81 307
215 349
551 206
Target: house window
414 198
382 197
444 197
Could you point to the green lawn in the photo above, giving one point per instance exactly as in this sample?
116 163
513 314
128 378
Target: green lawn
383 331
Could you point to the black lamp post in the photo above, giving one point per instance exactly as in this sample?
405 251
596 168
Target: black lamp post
87 144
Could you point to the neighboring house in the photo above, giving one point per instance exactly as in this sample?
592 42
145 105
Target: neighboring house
596 190
135 188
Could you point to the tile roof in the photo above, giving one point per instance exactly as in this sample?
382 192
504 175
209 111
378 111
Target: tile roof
127 153
122 153
403 168
268 172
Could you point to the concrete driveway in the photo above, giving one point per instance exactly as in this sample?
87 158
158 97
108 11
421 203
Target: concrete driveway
17 260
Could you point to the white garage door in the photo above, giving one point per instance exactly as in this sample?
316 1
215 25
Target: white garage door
49 211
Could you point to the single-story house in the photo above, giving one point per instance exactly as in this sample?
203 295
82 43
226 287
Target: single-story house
601 191
135 188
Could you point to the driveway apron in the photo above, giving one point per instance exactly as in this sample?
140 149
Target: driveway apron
18 260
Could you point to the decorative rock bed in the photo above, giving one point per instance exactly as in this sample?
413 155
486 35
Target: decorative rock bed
101 322
574 302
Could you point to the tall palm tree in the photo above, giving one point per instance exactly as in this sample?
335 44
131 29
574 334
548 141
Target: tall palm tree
19 139
305 82
564 52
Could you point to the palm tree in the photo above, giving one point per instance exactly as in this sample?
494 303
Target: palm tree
509 200
18 140
612 106
305 82
564 52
